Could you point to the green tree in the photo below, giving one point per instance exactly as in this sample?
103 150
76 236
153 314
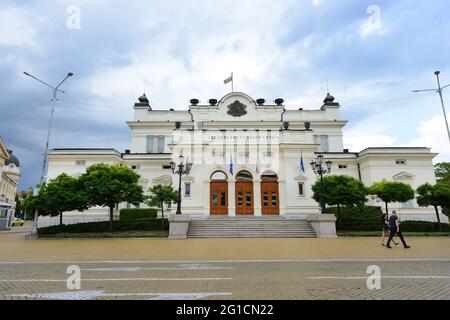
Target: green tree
442 171
62 194
437 195
340 190
160 195
108 185
392 192
30 203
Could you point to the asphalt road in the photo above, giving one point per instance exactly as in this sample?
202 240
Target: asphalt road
223 269
233 279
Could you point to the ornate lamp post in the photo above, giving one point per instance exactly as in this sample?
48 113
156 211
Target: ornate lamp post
319 169
180 169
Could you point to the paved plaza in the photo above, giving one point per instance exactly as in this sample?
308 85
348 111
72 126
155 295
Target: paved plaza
223 269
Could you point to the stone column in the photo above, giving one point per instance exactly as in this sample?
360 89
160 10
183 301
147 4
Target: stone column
257 197
231 198
206 198
282 196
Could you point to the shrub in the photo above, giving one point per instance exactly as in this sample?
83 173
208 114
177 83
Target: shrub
137 214
406 226
423 226
140 225
370 213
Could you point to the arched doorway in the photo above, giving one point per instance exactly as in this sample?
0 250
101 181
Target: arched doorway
244 194
219 194
270 200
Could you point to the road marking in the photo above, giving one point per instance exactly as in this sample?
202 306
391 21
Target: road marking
89 295
221 261
118 279
382 277
181 267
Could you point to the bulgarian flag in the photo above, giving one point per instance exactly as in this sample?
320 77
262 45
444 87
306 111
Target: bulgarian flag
229 79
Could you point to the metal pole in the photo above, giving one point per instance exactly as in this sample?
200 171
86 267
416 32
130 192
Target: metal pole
44 163
232 82
322 202
180 172
442 103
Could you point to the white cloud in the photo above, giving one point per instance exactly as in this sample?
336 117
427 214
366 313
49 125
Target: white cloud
16 29
199 61
372 132
359 142
433 134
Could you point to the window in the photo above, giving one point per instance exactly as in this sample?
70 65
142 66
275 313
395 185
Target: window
167 167
244 176
301 189
136 167
219 175
342 166
265 199
187 189
223 199
150 140
323 141
80 163
274 199
161 144
214 199
156 144
400 162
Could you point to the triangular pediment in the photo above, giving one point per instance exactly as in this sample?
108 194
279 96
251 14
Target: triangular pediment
301 178
163 180
188 179
404 176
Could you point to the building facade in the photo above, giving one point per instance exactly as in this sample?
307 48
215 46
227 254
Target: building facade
10 173
249 158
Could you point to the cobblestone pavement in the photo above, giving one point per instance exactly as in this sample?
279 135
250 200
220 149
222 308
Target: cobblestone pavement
164 269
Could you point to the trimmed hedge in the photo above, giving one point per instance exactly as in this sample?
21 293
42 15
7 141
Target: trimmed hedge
423 226
140 225
405 226
367 218
370 213
137 214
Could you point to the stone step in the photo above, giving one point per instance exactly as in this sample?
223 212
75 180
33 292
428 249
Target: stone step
296 235
250 227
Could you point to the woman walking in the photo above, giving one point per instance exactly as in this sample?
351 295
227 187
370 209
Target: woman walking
385 232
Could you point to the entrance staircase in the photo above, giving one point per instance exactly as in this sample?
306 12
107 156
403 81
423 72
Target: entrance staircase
250 227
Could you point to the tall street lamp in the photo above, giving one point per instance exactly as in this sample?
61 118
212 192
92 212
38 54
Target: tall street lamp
44 162
319 169
439 90
180 169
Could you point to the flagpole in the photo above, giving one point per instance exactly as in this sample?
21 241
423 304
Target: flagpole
232 82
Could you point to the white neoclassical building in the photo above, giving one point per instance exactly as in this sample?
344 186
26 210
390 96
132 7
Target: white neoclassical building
247 157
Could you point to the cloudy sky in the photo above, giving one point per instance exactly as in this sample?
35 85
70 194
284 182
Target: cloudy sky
371 53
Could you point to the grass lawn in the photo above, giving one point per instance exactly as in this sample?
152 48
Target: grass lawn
114 234
378 234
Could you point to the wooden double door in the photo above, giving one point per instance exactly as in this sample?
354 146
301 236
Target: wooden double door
244 198
219 198
270 200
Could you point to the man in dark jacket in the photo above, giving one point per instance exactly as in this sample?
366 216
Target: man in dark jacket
394 228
